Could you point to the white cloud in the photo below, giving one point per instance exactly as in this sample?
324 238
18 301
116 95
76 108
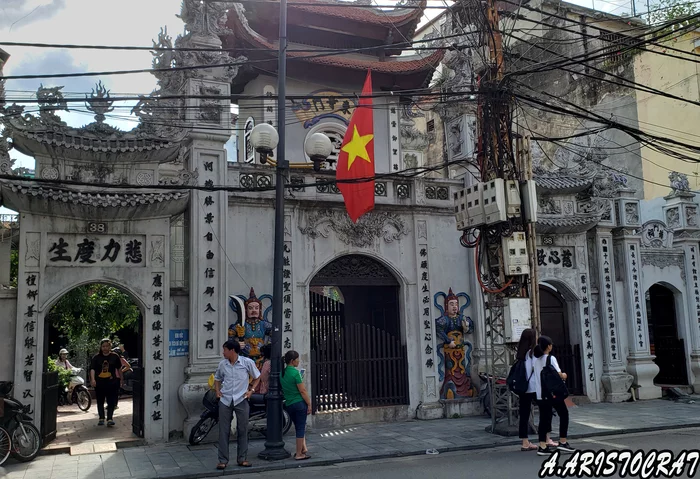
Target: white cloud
20 13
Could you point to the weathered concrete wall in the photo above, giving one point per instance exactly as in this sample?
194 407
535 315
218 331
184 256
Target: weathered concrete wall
667 117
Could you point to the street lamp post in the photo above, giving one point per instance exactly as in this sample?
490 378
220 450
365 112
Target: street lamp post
318 147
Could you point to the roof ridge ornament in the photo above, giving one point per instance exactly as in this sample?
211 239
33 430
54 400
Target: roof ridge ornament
99 102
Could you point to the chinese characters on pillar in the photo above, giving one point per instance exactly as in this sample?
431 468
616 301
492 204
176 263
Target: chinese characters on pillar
287 295
394 136
609 302
588 339
424 284
209 300
30 316
156 341
87 250
634 270
696 290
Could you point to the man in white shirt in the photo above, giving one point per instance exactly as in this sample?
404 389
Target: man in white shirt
233 388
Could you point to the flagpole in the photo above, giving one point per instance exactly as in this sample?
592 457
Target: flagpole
274 442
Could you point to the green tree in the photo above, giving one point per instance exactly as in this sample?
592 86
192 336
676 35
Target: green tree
14 266
89 313
668 10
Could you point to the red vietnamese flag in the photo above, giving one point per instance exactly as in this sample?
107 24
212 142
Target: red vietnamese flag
356 157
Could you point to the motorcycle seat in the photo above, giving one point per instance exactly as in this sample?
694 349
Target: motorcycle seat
257 399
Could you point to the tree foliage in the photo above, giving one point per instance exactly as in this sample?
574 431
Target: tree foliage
14 266
668 10
89 313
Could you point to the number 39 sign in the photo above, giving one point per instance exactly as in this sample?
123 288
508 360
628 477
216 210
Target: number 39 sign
97 228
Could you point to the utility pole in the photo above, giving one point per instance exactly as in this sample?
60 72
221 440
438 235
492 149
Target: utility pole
506 256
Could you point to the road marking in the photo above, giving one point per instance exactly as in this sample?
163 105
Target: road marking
605 443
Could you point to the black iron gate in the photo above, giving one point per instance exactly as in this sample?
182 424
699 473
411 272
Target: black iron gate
670 358
354 365
137 388
49 405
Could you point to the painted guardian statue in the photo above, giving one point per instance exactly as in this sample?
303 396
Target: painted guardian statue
454 351
253 330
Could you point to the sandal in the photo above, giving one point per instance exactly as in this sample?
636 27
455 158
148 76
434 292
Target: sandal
531 447
221 466
245 464
306 456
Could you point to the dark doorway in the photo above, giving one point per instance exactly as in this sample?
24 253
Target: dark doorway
357 356
555 324
663 337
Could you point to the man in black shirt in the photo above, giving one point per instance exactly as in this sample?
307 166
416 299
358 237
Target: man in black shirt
105 377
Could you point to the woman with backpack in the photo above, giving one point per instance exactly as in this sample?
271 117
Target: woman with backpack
526 345
551 393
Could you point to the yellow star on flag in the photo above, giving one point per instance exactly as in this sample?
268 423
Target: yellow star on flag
357 147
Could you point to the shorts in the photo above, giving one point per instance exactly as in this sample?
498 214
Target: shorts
297 413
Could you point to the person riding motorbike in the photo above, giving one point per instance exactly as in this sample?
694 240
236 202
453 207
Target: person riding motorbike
62 361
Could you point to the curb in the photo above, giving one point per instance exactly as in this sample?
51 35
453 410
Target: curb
330 462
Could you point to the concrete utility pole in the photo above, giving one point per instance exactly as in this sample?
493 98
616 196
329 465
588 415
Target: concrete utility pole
507 234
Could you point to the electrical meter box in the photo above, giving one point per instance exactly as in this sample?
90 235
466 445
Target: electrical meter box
461 215
517 318
515 254
494 201
475 206
513 198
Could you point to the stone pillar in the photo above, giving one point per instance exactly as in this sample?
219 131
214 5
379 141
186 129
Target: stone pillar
640 362
208 212
431 407
681 214
615 379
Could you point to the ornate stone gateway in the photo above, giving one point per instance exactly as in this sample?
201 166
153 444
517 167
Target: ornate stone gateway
357 356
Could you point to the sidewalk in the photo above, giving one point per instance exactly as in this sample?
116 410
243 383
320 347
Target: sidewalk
362 442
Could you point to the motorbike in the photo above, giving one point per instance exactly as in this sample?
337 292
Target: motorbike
127 387
25 438
76 392
257 419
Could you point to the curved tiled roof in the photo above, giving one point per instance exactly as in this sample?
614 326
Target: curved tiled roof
566 224
391 65
397 17
561 182
98 199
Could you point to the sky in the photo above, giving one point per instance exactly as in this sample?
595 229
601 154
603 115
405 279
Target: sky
102 22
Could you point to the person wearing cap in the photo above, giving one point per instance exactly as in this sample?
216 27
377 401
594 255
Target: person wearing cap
62 361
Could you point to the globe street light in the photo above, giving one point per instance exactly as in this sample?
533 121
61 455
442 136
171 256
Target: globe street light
318 147
264 138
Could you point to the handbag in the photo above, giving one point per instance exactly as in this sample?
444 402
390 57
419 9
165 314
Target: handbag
553 386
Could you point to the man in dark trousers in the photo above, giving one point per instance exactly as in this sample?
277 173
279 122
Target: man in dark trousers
105 377
233 386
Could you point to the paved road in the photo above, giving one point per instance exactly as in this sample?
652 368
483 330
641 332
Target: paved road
494 463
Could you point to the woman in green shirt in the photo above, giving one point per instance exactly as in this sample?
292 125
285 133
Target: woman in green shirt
296 400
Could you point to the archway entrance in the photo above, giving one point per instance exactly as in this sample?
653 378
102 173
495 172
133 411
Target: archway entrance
664 342
357 356
555 324
76 323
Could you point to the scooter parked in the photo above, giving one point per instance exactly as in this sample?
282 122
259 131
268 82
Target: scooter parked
24 436
257 419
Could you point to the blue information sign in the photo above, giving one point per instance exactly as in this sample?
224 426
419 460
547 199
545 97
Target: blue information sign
179 344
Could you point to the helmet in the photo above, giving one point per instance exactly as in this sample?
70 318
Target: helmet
63 351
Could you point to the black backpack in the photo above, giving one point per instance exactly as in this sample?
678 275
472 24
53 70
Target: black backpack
553 386
518 378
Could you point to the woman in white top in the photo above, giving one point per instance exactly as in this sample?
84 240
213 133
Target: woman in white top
62 361
528 341
545 404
